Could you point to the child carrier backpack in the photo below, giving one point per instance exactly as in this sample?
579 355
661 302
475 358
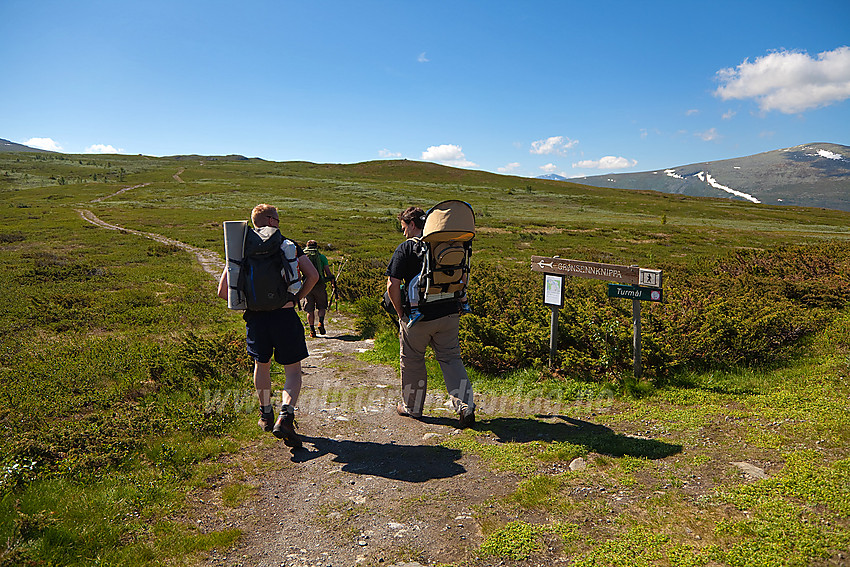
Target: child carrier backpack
445 248
268 277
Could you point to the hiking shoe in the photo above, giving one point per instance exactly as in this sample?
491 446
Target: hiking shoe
401 410
312 333
266 422
322 329
284 429
466 419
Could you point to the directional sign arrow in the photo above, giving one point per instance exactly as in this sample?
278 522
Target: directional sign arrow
593 270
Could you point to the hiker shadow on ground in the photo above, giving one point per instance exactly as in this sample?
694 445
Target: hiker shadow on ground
597 438
345 338
408 463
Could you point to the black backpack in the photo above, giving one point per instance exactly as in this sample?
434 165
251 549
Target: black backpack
269 270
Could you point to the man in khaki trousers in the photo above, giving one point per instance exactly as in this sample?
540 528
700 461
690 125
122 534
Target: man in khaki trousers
437 329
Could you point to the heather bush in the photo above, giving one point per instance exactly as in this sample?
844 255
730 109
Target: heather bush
746 308
362 278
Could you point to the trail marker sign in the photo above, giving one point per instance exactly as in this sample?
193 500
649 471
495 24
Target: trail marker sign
635 292
630 282
592 270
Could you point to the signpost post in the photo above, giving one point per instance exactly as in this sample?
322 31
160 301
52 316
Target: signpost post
630 282
553 295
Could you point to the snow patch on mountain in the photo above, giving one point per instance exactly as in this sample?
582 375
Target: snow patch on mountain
829 155
672 173
703 176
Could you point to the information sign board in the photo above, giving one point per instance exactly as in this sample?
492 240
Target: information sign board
553 290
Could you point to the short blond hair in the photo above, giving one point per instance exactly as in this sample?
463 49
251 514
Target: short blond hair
258 214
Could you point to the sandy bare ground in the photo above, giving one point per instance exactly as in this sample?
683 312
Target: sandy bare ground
122 190
368 488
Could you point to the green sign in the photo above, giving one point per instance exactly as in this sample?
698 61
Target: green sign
635 292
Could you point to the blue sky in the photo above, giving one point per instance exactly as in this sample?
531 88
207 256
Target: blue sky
526 88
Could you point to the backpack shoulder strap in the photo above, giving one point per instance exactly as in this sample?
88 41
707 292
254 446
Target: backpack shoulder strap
419 246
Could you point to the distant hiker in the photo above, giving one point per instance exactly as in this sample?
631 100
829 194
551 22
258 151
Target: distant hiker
317 299
437 327
274 328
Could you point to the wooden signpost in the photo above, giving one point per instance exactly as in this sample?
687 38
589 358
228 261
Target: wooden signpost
630 282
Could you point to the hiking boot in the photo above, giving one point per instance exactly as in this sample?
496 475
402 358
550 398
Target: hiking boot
284 429
402 410
467 419
322 329
312 333
266 422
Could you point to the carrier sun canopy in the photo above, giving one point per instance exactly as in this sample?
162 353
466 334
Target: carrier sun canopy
449 220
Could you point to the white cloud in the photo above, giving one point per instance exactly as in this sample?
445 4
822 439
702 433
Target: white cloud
43 144
447 154
709 135
422 58
385 153
692 112
508 168
553 145
607 162
728 114
789 81
102 149
549 168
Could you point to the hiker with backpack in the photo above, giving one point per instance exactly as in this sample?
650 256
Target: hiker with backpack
441 296
317 299
275 276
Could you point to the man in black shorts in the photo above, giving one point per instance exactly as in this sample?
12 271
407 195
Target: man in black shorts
279 333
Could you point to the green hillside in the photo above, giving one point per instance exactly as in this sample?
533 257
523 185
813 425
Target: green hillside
519 217
109 340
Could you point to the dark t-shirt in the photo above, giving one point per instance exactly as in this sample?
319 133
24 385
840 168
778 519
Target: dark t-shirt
405 264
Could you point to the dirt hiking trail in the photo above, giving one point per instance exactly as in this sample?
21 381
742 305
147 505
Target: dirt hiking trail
368 488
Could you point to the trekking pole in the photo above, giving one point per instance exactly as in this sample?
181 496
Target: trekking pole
334 297
336 282
341 266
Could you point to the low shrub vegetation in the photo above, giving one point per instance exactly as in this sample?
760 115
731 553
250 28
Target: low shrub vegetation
118 364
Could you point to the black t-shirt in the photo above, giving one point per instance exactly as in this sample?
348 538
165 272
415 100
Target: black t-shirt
405 264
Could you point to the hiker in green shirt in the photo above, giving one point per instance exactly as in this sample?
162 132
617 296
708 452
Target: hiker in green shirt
317 299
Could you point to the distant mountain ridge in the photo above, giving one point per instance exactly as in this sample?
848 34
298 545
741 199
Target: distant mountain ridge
7 146
809 175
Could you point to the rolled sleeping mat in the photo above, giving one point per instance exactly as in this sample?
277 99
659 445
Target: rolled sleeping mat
234 246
